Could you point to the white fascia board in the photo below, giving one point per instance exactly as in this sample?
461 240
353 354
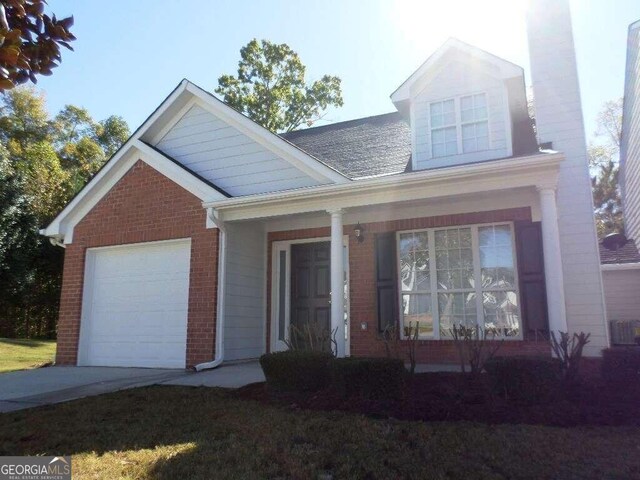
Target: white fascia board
272 142
53 229
507 69
101 184
464 179
178 174
617 267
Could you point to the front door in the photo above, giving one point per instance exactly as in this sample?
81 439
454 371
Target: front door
310 321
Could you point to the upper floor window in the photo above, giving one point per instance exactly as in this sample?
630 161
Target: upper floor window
459 125
444 136
475 123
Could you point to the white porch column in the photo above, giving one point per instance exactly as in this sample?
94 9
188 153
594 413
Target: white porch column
337 281
552 259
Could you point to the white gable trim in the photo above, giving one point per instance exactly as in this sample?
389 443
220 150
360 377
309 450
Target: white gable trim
506 68
134 149
62 226
280 147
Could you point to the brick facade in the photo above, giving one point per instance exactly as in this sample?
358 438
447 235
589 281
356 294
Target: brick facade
362 271
144 206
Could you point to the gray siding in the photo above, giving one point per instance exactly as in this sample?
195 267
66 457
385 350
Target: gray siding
630 149
244 334
621 289
458 78
228 158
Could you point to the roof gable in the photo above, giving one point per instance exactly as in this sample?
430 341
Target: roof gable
62 226
501 67
216 115
142 145
230 158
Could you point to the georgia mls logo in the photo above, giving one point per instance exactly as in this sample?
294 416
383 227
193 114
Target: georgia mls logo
35 468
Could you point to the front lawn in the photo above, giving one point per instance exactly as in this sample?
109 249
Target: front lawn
182 432
20 354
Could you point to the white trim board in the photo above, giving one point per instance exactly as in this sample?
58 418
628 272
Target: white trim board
617 267
486 176
506 69
185 95
62 226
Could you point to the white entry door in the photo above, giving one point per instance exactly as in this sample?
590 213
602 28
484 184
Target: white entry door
135 305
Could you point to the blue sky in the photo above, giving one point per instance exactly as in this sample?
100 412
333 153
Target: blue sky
131 53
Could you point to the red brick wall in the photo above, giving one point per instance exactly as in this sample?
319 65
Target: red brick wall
145 206
363 282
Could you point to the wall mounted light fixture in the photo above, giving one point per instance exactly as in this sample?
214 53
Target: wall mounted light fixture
359 231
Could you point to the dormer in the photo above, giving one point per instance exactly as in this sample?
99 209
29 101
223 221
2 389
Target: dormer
465 105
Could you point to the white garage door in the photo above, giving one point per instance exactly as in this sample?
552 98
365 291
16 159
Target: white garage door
135 306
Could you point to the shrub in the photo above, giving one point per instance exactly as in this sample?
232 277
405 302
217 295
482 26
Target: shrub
475 346
525 379
568 349
374 378
621 365
296 370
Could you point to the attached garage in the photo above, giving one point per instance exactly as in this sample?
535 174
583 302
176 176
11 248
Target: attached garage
135 305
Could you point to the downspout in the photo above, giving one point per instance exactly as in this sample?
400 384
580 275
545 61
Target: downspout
222 261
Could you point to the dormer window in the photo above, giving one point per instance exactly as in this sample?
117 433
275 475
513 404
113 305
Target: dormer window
444 130
475 123
459 125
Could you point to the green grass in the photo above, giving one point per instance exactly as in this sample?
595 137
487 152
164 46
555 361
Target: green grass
182 432
20 354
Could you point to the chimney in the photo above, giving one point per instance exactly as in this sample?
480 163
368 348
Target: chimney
559 120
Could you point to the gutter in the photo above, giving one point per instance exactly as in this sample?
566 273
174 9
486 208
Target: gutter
222 261
547 158
617 267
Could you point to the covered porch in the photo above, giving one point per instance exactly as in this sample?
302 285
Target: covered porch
353 239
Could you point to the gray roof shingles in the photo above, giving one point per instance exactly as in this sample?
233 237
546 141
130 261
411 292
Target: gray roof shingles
627 254
365 147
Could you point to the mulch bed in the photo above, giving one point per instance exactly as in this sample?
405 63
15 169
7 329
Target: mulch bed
453 397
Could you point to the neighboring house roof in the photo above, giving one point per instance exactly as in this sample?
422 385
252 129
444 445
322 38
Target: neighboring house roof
627 254
364 147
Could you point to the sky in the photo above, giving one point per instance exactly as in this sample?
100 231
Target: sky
130 54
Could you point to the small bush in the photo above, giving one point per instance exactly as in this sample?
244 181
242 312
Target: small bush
621 365
525 379
296 370
374 378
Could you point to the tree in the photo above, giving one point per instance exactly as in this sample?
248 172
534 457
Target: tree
43 162
603 160
271 89
30 41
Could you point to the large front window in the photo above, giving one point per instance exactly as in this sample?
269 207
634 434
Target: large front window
459 276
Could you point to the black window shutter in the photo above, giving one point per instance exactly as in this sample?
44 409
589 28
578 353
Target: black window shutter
386 280
533 294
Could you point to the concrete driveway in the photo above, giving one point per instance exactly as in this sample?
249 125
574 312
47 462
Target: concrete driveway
44 386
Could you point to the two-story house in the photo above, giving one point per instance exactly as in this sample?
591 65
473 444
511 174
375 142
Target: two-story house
207 238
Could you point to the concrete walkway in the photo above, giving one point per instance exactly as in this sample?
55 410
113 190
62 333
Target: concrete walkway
45 386
231 375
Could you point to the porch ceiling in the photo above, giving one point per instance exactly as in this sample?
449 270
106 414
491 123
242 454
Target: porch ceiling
460 181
